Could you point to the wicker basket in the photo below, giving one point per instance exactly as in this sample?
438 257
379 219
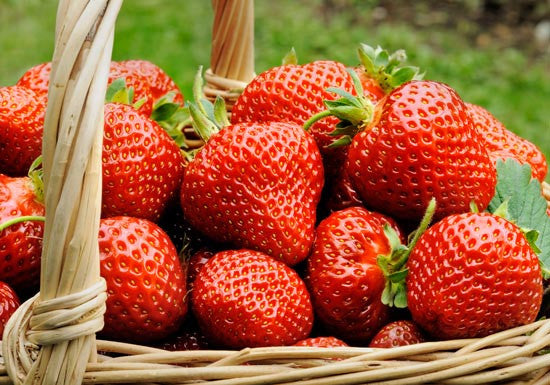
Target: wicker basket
51 338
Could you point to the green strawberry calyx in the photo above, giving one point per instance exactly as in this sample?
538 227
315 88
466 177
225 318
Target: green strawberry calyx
207 118
173 117
355 113
119 92
35 175
393 265
386 68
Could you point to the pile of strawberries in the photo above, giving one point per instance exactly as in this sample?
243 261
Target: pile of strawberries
336 206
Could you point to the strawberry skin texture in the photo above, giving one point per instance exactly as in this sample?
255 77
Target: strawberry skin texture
397 333
502 143
343 276
244 298
256 186
37 78
20 244
9 302
322 342
294 93
142 74
142 166
422 144
145 280
471 275
148 80
21 125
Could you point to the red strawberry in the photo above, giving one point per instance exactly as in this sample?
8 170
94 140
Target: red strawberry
145 280
142 72
343 276
322 342
256 186
37 78
502 143
397 333
340 194
471 275
244 298
294 93
21 126
142 165
9 302
148 80
188 337
21 243
420 143
195 264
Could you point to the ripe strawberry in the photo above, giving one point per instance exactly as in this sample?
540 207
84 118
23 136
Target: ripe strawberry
420 143
145 280
142 165
294 93
343 276
256 186
471 275
502 143
397 333
195 263
188 337
140 73
322 342
21 126
37 78
20 243
148 80
244 298
9 302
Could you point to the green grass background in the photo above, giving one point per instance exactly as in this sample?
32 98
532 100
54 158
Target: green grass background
508 79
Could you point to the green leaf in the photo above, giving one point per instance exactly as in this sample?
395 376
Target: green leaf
290 58
526 205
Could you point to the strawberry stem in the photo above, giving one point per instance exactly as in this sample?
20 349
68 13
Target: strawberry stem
393 265
25 218
311 121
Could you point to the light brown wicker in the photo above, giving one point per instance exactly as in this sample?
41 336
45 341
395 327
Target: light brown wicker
51 338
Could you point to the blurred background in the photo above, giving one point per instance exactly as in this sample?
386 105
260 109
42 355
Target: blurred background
495 53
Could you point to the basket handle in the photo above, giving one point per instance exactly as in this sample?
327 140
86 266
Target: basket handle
51 337
232 51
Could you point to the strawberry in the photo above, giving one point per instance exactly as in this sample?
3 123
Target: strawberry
244 298
148 81
21 126
9 302
343 276
188 337
37 78
294 93
418 143
142 165
471 275
397 333
145 280
256 186
502 143
322 342
195 263
147 76
20 243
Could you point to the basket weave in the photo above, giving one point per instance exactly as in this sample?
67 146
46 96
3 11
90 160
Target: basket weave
51 338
